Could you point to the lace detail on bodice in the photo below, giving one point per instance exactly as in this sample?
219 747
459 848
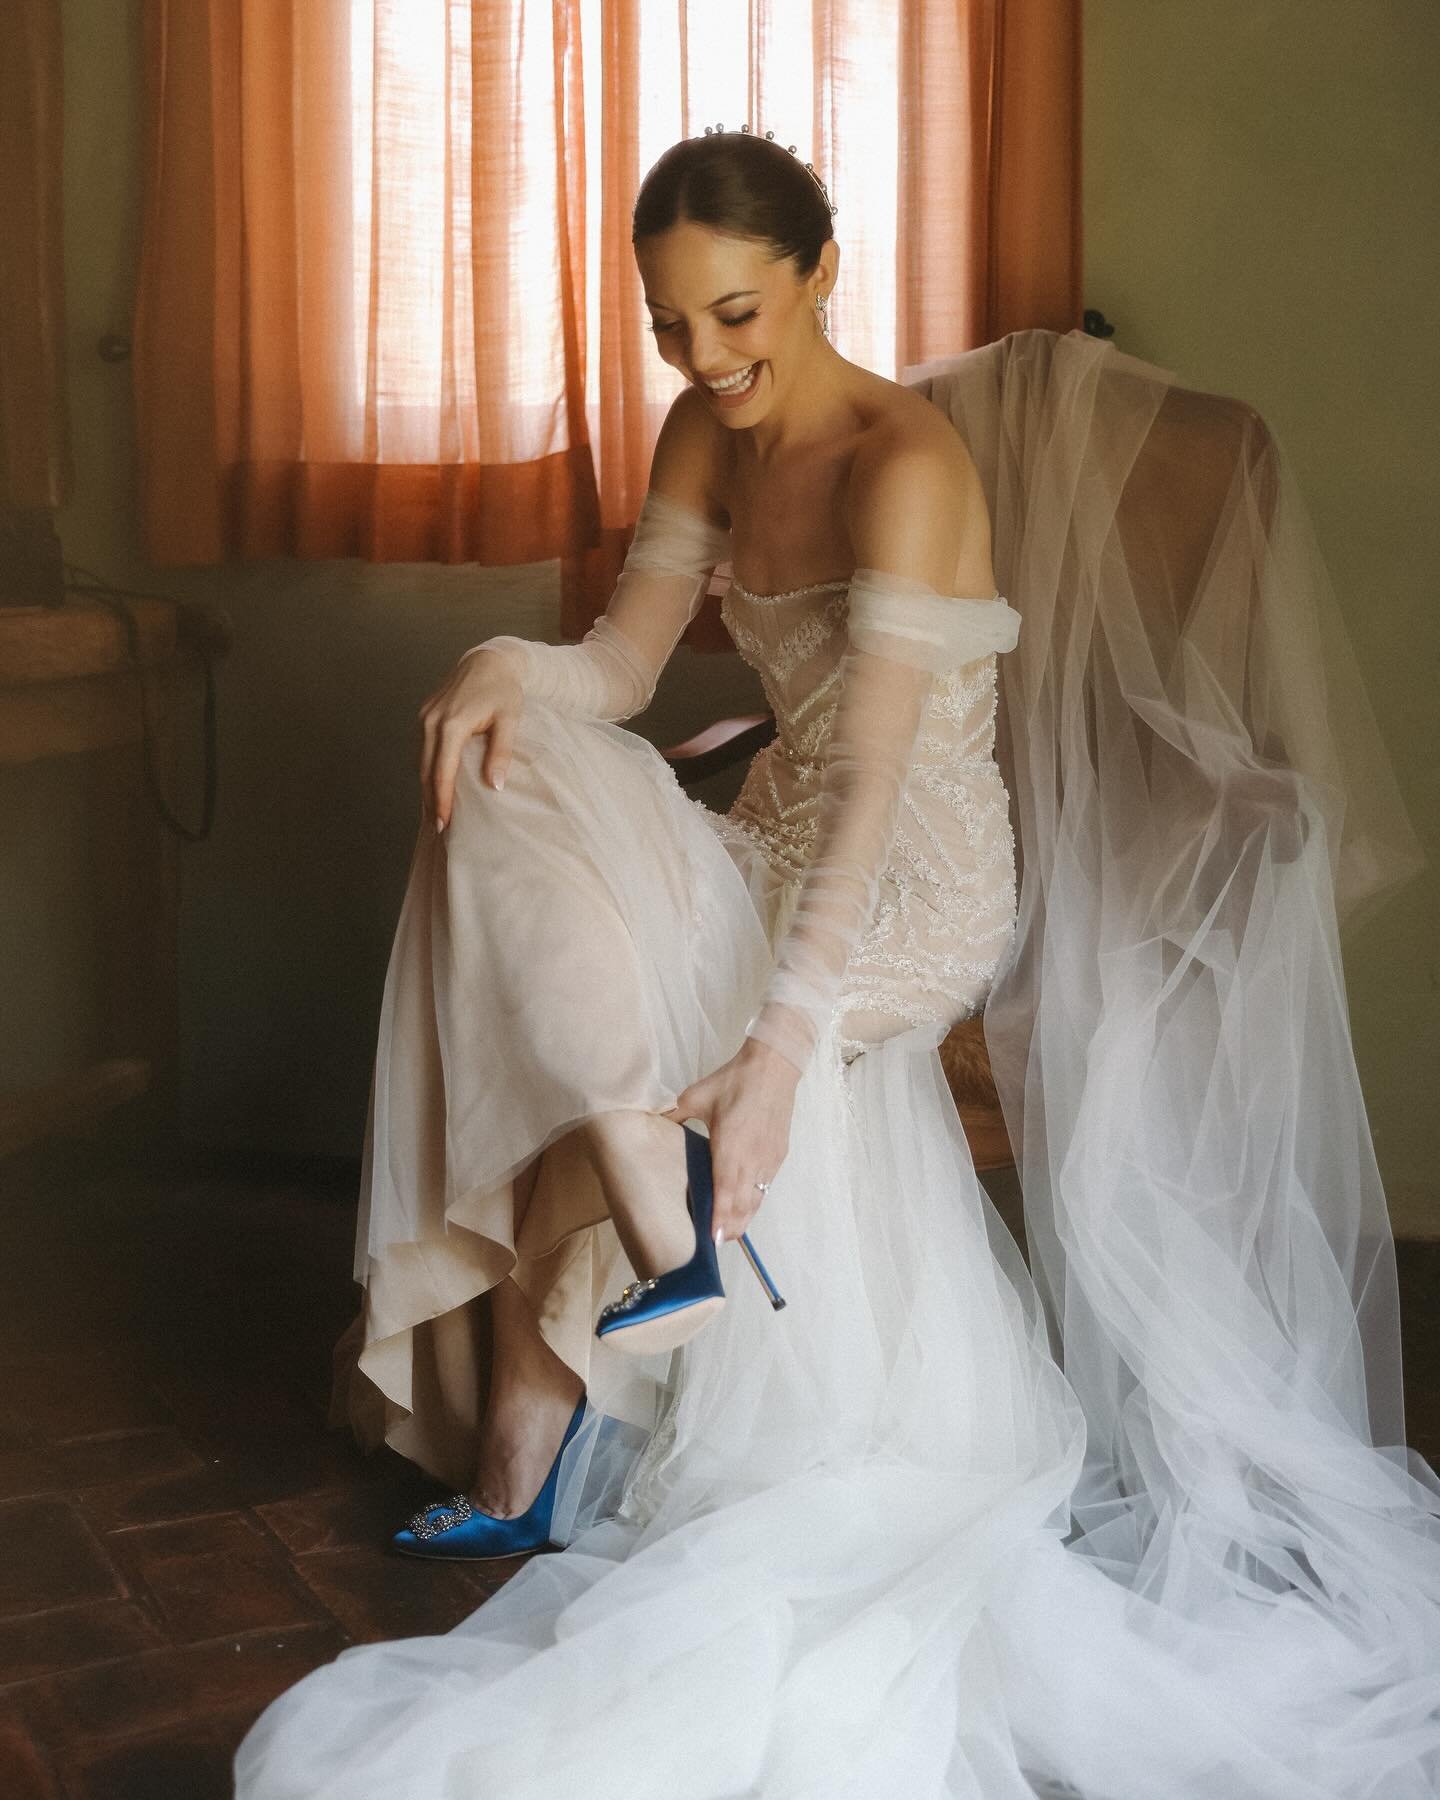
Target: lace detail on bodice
778 661
797 593
946 905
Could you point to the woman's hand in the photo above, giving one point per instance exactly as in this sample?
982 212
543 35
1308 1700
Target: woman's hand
747 1104
481 694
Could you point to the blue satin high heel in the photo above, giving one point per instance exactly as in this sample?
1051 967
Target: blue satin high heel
665 1310
456 1529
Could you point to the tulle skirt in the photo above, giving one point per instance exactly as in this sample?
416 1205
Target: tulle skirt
820 1553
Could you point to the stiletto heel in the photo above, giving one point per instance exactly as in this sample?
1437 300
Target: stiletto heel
662 1311
762 1274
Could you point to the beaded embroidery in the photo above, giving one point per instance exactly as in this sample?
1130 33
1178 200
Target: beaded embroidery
441 1516
630 1296
798 593
945 910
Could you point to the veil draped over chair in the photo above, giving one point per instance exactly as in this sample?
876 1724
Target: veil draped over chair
1201 797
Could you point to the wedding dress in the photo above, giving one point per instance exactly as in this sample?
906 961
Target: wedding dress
880 1544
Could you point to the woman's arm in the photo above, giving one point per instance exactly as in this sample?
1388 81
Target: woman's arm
612 672
914 519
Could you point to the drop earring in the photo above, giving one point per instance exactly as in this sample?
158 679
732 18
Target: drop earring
822 315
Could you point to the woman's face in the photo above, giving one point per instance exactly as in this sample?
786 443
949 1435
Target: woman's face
741 328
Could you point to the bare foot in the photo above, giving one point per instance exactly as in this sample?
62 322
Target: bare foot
640 1160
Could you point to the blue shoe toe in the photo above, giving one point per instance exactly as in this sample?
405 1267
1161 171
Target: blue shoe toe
454 1529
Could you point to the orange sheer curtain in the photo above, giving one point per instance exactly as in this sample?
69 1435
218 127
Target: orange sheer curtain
35 467
388 306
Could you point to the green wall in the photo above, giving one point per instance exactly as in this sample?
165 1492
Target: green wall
1261 189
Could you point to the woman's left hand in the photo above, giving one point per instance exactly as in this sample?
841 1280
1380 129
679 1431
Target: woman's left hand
747 1104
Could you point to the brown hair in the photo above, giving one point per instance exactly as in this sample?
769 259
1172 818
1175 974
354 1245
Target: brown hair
738 183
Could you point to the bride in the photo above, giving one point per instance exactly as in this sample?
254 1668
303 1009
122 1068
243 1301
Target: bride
877 1542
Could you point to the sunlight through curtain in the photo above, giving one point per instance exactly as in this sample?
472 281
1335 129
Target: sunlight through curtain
388 306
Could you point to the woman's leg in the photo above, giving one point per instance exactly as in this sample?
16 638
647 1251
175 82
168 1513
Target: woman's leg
532 1395
640 1160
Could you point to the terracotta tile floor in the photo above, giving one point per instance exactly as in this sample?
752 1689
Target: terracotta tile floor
180 1535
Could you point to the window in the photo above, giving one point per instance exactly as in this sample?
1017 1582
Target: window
412 335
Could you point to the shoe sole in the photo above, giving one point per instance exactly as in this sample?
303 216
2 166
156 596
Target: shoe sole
649 1337
452 1556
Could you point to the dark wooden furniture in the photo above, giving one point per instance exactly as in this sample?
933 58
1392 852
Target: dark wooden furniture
68 687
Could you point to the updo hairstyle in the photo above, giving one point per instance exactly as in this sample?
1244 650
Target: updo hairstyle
741 184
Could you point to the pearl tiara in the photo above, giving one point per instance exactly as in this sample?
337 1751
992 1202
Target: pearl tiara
745 131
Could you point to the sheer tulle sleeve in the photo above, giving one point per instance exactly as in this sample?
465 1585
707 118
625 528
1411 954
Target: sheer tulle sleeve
611 673
902 634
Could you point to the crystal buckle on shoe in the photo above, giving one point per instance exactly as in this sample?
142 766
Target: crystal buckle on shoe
448 1513
629 1294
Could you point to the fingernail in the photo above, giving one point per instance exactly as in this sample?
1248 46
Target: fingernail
439 824
719 1236
500 781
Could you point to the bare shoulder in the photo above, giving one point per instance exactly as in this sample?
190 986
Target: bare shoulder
915 503
691 457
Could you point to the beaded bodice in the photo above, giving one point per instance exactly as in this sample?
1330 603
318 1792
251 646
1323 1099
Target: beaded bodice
947 897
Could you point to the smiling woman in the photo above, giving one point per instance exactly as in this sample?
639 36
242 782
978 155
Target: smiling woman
738 214
881 1541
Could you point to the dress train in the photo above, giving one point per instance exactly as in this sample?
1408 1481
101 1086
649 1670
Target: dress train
836 1567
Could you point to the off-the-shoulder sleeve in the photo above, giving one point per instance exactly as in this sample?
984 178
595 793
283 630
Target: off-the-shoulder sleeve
611 673
901 635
